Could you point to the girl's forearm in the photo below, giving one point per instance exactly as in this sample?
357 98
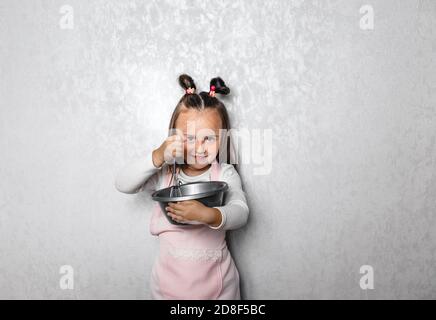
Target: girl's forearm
235 215
215 217
158 158
132 177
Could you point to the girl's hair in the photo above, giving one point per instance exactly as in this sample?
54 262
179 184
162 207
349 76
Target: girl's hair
204 101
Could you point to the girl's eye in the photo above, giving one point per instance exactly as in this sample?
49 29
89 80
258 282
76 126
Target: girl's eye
210 139
190 138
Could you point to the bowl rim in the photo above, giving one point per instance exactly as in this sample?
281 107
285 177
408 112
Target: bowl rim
224 187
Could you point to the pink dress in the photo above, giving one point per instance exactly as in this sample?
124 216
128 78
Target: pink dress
194 261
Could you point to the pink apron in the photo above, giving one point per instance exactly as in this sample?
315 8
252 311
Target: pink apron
194 261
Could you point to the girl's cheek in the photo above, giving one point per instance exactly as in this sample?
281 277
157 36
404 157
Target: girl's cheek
214 148
189 148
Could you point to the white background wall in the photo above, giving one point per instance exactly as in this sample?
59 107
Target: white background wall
352 113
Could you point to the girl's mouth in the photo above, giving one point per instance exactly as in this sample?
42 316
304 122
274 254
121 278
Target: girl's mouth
200 157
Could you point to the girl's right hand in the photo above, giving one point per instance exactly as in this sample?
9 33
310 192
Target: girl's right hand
170 149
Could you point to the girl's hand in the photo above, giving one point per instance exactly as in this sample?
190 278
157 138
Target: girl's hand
170 149
189 210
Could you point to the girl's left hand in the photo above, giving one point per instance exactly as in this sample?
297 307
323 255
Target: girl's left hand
189 210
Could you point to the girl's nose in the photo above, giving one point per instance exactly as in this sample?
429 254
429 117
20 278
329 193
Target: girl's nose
199 147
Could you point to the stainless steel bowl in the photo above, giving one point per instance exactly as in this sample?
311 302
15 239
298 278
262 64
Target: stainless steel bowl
209 193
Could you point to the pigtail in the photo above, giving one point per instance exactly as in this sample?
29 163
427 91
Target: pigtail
217 85
187 83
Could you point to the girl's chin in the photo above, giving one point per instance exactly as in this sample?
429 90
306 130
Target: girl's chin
198 166
198 162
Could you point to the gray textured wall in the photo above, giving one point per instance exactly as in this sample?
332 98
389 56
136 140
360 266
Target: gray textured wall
352 113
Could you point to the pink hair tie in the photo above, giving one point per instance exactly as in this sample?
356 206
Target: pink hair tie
190 90
212 91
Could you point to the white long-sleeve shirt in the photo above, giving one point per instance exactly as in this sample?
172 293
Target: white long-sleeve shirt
141 174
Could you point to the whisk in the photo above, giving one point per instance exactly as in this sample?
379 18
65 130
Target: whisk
175 189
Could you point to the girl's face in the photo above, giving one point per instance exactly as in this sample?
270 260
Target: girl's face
201 138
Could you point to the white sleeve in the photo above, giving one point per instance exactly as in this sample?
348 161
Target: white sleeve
235 211
138 175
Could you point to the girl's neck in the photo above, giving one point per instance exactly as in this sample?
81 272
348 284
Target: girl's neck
192 171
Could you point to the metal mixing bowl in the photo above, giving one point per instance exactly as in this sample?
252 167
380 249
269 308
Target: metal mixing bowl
209 193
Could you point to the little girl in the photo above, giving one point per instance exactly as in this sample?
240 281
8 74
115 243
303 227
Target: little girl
194 261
